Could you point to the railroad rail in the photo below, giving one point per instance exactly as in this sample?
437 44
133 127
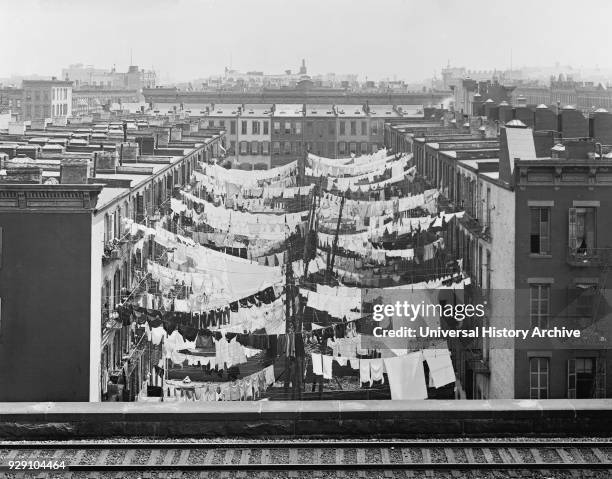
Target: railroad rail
334 458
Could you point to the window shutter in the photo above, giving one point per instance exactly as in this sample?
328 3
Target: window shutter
571 379
600 379
573 243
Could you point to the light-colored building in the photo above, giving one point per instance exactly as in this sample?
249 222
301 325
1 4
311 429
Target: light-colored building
46 99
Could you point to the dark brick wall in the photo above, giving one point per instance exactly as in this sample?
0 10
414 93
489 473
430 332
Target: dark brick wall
45 279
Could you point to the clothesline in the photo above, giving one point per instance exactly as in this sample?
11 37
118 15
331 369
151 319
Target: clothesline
406 373
249 387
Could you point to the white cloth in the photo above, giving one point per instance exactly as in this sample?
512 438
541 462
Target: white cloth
364 371
157 335
327 366
406 376
440 366
376 370
317 364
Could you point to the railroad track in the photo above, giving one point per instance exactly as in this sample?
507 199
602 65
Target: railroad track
399 458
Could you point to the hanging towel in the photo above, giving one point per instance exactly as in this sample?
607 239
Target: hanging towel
157 334
376 370
364 371
440 366
327 367
317 364
269 372
406 376
354 363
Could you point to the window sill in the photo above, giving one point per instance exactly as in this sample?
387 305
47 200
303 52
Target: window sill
540 256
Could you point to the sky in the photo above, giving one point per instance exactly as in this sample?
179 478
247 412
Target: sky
403 39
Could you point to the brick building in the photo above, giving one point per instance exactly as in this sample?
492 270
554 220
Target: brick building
320 130
533 239
287 134
81 198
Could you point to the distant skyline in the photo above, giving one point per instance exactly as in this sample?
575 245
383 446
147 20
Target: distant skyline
188 39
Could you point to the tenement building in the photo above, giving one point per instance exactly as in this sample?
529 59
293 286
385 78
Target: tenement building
67 209
533 239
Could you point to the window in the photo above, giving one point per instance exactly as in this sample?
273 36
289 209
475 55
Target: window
342 148
374 128
581 378
232 127
585 300
364 128
538 378
540 230
539 305
309 127
222 123
265 147
331 128
254 148
298 128
364 148
353 147
243 127
287 148
276 148
353 128
265 127
287 128
232 148
243 147
277 127
255 127
582 229
343 128
297 148
211 123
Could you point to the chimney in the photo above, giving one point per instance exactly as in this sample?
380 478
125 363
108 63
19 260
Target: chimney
74 171
22 174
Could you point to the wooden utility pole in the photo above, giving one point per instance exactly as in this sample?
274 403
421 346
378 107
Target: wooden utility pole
331 254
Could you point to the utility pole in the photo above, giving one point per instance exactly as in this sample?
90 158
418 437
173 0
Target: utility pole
331 255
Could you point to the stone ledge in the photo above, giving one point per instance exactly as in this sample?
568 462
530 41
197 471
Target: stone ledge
315 419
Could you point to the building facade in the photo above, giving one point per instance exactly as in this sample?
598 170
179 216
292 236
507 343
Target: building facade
46 99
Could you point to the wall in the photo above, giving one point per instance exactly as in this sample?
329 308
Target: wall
501 313
44 342
573 184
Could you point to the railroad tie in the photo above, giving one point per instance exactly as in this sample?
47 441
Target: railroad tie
539 459
407 459
265 459
182 460
427 460
507 458
361 459
567 458
316 459
600 455
386 459
227 459
293 459
451 459
244 459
